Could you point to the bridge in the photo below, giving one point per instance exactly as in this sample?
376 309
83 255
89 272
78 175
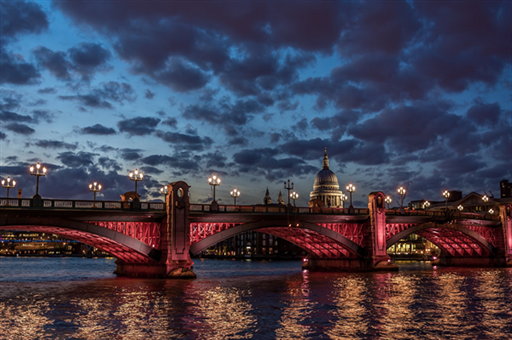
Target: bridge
157 239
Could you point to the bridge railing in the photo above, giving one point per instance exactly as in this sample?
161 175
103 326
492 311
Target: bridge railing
440 213
275 209
26 203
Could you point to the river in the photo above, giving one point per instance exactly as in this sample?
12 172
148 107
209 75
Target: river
80 298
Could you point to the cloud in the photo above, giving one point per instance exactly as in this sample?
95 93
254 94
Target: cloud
20 17
47 90
97 129
188 142
172 122
15 70
21 129
2 136
76 160
171 161
138 126
54 144
130 154
148 94
484 114
88 58
109 164
7 116
55 62
99 98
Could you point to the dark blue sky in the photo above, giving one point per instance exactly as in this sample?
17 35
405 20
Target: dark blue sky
398 92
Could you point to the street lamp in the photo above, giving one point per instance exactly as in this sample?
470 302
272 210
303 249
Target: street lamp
485 198
491 211
214 181
351 188
401 191
164 191
343 199
460 207
446 194
235 193
8 184
388 200
38 172
288 188
95 187
136 176
294 196
426 204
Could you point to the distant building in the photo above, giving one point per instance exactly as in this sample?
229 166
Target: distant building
326 187
505 189
267 199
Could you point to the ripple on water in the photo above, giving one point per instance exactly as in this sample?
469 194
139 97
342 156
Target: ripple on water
80 298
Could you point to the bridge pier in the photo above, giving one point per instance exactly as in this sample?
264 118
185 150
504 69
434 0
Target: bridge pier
175 261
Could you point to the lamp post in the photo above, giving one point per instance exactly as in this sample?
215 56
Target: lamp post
164 191
485 198
294 196
388 200
426 204
351 188
491 211
401 191
288 188
446 194
460 207
214 181
343 199
95 187
136 176
37 171
235 193
8 184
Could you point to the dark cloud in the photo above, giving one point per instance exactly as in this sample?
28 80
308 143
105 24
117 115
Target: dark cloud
97 129
138 126
130 154
76 160
150 170
15 70
7 116
40 115
55 62
484 114
188 142
181 163
215 159
172 122
238 113
21 17
109 164
54 144
2 136
148 94
21 129
47 90
181 77
88 57
99 98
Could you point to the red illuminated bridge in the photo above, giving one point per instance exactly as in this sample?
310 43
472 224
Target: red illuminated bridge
156 240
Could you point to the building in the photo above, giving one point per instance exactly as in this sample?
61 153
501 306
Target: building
326 187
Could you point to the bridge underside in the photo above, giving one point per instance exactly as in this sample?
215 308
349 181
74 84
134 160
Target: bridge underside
454 243
317 245
117 249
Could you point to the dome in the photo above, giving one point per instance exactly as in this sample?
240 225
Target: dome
326 187
326 178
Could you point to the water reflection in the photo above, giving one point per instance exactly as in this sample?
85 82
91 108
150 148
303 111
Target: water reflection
247 303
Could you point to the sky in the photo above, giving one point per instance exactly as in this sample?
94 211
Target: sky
401 93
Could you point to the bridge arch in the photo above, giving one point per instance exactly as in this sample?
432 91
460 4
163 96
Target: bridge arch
315 239
469 241
118 244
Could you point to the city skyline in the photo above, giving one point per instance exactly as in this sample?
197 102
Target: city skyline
400 92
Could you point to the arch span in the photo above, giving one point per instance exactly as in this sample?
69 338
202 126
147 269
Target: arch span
454 239
315 239
119 245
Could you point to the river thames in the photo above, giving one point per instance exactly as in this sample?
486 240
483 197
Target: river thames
80 298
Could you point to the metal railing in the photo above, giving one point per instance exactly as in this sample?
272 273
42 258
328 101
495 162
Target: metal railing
26 203
275 209
441 213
